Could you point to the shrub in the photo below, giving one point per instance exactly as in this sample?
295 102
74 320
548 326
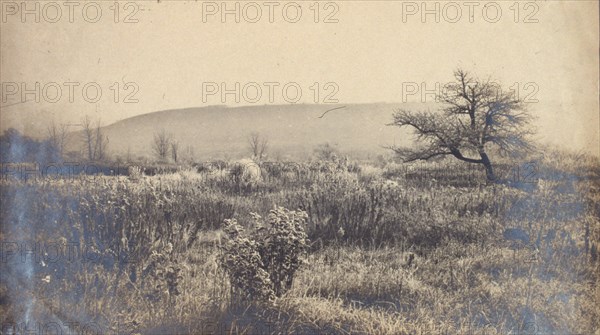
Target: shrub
262 265
283 242
244 265
135 173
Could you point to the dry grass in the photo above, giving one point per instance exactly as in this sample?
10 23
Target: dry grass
393 252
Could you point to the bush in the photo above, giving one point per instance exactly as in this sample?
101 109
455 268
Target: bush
244 265
262 265
283 242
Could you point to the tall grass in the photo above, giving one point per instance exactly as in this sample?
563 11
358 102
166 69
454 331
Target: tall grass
395 249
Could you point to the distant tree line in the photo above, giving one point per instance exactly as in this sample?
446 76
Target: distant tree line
18 148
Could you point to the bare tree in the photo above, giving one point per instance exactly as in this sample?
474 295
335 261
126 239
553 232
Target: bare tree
128 157
101 143
258 145
174 150
88 137
94 141
189 153
57 136
162 144
476 116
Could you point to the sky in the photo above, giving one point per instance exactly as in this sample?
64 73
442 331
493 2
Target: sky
174 54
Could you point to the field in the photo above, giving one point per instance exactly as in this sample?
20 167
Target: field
427 248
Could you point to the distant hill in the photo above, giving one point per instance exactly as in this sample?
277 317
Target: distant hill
293 130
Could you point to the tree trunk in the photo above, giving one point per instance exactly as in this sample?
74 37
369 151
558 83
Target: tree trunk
90 152
489 170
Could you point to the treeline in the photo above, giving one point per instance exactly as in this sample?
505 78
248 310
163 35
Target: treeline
18 148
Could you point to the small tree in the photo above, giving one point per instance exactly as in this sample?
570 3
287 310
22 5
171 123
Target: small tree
94 141
88 137
174 150
128 157
188 153
476 116
101 143
161 145
258 145
57 137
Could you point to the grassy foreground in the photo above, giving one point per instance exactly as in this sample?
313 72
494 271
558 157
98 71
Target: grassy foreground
395 250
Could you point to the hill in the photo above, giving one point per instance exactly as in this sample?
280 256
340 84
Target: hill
292 130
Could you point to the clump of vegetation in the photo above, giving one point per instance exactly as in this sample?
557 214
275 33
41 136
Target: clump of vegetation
164 273
283 243
244 265
261 266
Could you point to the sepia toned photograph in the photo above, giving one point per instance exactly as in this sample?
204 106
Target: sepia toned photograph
314 167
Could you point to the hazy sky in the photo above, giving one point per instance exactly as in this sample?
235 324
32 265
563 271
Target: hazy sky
372 51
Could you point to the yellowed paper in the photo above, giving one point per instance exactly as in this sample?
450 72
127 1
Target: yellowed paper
430 167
